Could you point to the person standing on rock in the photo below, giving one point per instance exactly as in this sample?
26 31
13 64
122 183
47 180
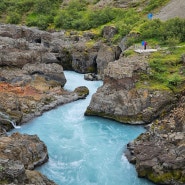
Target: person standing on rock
145 44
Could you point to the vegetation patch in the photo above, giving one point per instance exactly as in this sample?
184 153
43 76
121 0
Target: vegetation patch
166 71
155 4
168 33
166 176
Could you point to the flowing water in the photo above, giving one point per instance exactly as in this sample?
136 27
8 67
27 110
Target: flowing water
6 118
84 150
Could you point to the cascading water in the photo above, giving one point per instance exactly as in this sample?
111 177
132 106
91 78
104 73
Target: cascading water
12 123
6 118
84 150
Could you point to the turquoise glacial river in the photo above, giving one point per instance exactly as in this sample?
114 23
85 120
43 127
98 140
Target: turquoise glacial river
84 150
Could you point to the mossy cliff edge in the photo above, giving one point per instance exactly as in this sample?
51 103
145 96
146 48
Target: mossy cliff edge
128 98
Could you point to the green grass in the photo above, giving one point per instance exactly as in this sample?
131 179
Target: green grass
154 4
77 14
167 71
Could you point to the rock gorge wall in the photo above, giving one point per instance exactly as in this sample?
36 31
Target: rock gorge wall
159 154
31 68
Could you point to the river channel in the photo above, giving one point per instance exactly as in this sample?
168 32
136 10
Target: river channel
84 150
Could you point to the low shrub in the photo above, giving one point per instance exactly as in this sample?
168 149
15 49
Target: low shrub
14 18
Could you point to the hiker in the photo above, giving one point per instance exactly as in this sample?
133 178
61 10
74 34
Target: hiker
145 44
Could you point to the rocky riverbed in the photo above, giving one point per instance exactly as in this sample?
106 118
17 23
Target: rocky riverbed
31 70
32 81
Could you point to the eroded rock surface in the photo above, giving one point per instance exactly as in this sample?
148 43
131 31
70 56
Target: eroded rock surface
31 72
159 154
18 155
31 81
120 99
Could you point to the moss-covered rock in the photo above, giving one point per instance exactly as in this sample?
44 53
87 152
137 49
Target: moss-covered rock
82 91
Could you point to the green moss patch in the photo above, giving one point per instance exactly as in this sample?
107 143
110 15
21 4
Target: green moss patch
167 177
123 119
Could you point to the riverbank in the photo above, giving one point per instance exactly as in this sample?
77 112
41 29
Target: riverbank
31 75
160 152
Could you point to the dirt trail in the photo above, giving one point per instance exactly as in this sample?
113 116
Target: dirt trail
175 8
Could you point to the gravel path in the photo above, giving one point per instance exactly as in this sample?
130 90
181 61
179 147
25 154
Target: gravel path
175 8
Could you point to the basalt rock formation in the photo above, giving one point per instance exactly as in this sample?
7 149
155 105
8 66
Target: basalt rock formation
19 155
159 154
31 68
120 99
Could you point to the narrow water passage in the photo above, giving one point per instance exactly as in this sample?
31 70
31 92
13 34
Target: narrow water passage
84 150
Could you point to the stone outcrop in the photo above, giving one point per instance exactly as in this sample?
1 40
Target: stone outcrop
120 99
82 91
25 148
18 155
106 54
159 154
22 45
31 72
84 58
52 72
109 32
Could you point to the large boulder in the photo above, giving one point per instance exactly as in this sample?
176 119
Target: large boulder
32 35
28 149
108 32
19 155
119 98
